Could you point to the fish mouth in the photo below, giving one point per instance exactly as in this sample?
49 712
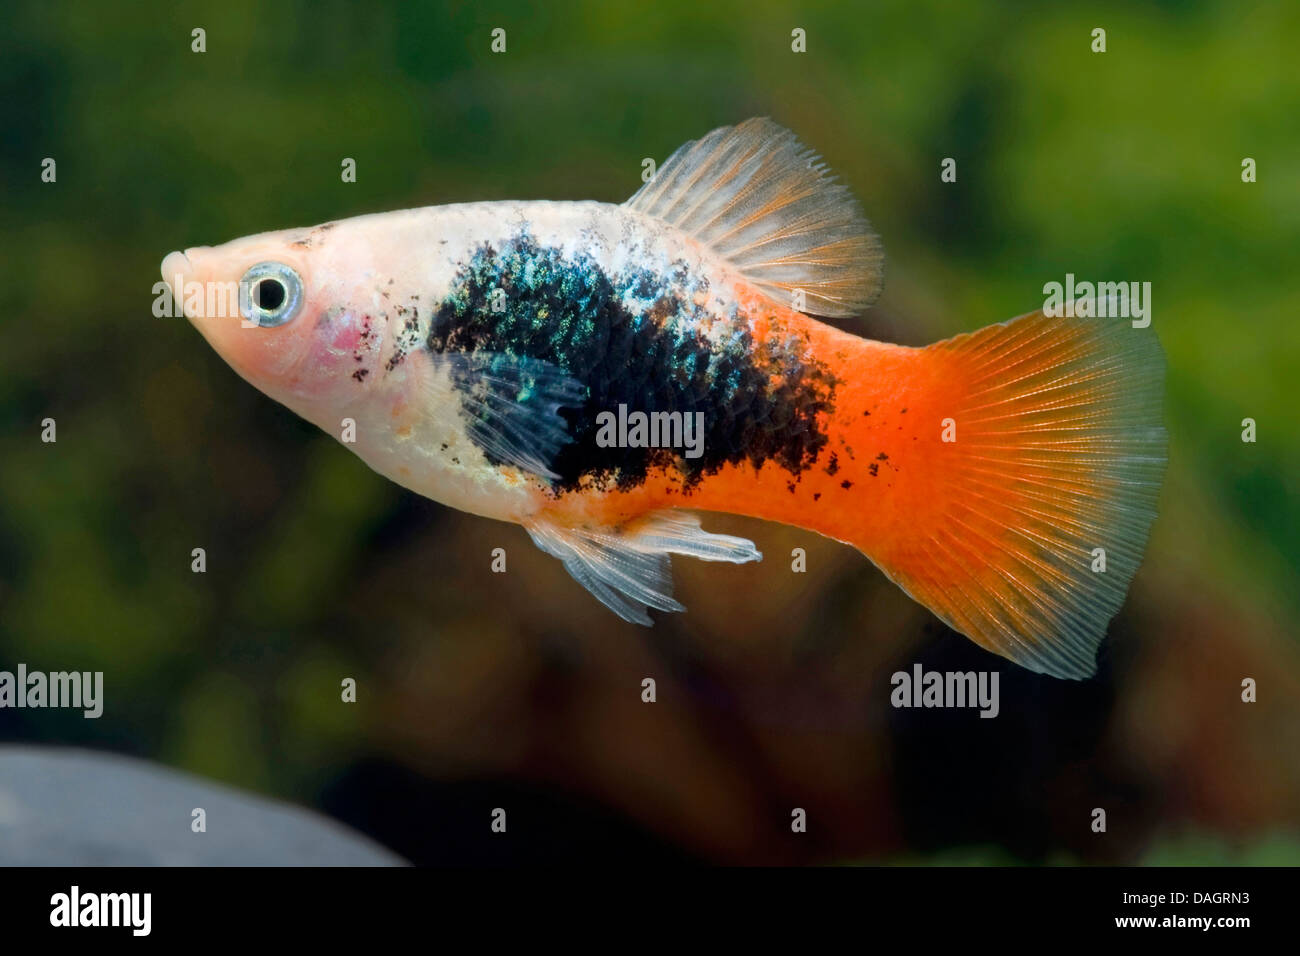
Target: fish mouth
178 272
177 265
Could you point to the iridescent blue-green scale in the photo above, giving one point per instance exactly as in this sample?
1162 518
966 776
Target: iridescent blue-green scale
634 339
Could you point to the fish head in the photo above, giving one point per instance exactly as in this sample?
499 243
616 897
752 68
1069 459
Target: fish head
282 309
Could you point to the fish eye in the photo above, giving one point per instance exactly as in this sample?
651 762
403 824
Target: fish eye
270 294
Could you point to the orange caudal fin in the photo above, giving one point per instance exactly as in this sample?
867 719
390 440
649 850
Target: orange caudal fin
1022 509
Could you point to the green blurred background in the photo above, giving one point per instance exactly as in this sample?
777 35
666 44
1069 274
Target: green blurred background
479 690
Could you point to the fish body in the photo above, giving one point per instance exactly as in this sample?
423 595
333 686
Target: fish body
601 373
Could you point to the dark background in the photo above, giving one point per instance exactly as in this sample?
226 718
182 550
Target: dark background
519 690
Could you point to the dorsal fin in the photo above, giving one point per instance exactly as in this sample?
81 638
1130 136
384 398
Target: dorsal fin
761 199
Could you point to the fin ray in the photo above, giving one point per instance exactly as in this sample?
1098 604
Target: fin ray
765 202
511 406
1059 450
628 569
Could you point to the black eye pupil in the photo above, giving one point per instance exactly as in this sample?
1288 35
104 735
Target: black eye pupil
269 294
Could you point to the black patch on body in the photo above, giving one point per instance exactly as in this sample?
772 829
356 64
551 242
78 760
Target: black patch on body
635 340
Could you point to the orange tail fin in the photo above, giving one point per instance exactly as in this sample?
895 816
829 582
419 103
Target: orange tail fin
1023 488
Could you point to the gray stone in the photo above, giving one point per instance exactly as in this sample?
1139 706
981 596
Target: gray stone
81 808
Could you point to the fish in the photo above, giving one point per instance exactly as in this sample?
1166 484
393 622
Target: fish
605 374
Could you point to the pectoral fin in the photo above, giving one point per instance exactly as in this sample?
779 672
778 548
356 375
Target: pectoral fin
511 405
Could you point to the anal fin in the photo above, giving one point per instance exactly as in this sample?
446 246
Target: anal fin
628 568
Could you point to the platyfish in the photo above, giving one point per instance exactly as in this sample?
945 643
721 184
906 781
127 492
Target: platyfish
603 373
